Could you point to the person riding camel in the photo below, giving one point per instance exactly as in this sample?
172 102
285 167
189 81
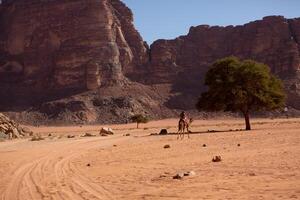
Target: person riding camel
183 116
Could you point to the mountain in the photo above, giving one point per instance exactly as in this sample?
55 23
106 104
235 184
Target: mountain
83 61
53 48
273 40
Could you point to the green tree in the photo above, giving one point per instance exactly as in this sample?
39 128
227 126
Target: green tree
241 86
139 118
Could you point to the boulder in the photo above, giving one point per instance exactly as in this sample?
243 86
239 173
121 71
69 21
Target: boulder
163 132
10 129
178 176
217 159
106 131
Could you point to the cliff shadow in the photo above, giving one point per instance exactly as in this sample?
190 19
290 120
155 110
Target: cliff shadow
187 87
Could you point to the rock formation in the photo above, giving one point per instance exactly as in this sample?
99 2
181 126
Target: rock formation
10 129
78 61
52 48
273 40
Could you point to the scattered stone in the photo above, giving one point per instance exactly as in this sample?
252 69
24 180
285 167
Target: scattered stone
167 146
128 134
88 135
106 131
178 176
217 159
37 138
163 132
190 173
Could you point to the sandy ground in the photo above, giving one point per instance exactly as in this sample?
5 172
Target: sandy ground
266 165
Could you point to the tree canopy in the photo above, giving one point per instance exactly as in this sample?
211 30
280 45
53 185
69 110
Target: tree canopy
241 86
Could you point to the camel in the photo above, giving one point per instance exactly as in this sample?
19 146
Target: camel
182 126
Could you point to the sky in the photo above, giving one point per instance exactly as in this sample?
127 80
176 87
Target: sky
168 19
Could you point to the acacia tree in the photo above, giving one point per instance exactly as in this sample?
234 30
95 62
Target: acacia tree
139 118
241 86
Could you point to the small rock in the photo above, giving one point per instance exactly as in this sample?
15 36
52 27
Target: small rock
49 135
252 174
88 165
204 145
190 173
238 145
88 135
178 176
114 145
163 132
128 134
71 136
217 159
167 146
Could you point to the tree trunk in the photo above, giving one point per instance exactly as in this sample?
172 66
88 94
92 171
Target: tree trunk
247 121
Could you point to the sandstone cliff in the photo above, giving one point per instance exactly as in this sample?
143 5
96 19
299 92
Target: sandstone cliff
273 40
65 61
52 48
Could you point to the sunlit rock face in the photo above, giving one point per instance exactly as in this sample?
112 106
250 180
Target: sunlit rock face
57 50
273 40
51 48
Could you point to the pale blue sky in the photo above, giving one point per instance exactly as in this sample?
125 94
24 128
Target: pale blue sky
167 19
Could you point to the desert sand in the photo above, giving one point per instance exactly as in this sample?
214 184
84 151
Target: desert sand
266 164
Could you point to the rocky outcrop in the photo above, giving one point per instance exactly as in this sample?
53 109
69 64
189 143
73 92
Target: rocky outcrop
10 129
65 61
273 40
53 48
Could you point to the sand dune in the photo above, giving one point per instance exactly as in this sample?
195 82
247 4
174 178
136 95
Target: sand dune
266 165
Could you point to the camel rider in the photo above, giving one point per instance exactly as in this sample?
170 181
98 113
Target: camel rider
183 116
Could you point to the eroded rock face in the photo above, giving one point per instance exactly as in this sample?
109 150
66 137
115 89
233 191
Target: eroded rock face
50 48
72 60
273 40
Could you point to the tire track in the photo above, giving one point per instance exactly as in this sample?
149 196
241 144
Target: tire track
53 177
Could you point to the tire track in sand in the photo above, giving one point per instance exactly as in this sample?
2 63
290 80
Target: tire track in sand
52 176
